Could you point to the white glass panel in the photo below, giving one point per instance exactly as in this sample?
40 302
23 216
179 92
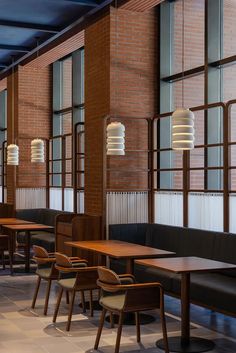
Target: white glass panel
68 200
232 208
205 211
55 198
127 207
169 208
80 202
30 198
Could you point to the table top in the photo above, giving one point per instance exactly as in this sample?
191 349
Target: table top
186 264
28 226
12 220
119 249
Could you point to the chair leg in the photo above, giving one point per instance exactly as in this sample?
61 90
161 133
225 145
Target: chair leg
163 323
36 292
47 297
91 302
57 305
67 297
101 323
111 320
83 302
137 321
70 310
119 331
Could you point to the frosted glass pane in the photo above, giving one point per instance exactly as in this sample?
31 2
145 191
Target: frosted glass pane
169 208
205 211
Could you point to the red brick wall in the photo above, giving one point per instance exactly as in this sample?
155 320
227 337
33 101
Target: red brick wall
32 119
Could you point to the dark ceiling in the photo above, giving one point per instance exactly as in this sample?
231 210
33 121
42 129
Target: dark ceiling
24 23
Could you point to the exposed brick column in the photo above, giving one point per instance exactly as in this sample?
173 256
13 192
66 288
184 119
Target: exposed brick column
120 79
97 105
33 115
12 134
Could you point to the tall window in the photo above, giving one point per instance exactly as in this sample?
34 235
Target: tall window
195 179
67 132
3 137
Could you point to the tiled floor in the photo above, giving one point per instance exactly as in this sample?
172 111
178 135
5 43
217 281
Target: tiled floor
24 331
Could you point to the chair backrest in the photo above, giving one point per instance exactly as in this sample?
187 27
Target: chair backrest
63 260
44 260
108 276
40 252
108 280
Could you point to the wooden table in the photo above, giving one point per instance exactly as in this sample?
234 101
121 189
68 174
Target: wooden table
127 251
185 266
12 229
120 250
12 220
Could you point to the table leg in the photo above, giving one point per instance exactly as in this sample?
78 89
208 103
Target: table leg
185 343
27 251
11 240
185 308
130 266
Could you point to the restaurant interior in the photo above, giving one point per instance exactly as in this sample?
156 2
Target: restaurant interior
117 176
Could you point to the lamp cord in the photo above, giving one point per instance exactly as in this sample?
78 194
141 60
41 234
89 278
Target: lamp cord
116 61
13 100
183 23
37 71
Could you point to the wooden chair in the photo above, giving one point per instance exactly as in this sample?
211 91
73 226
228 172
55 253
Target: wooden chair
125 298
85 280
46 271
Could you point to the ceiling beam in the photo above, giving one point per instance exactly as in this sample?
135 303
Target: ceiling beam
90 3
58 38
34 26
17 48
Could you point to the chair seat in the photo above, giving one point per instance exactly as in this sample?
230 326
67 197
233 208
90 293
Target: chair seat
43 272
67 283
115 302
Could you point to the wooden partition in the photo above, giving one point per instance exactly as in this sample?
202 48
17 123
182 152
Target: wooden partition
7 210
63 232
87 227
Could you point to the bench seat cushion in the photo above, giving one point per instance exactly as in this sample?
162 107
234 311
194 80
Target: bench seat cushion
211 289
44 239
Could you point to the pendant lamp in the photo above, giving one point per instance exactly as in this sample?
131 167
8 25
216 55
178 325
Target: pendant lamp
182 129
116 130
116 139
12 149
37 151
37 145
12 154
182 118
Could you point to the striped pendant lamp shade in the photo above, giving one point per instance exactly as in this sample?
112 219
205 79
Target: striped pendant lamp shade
12 155
115 139
182 129
37 151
